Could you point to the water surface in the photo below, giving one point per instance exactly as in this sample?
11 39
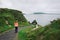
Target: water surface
42 19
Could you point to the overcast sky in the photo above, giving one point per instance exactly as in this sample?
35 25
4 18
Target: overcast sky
31 6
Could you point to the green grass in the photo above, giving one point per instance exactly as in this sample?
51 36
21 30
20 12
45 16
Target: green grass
23 33
21 24
5 28
42 32
28 34
52 34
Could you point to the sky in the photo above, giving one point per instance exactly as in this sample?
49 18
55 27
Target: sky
31 6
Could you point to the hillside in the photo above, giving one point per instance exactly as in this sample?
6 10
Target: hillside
10 16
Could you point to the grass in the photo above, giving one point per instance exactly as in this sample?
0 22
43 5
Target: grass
22 24
5 28
28 34
52 34
41 33
23 33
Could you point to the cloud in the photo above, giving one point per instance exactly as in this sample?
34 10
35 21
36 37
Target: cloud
5 3
30 6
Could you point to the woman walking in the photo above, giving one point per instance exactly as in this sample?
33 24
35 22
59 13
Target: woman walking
16 26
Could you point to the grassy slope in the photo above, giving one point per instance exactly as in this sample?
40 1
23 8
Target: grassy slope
10 15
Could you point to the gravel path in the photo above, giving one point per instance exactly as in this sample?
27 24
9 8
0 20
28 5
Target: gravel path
9 35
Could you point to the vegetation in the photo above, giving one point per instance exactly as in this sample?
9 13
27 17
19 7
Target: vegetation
52 31
34 22
49 32
8 16
29 34
55 24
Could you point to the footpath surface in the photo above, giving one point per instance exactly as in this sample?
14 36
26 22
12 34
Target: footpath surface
10 35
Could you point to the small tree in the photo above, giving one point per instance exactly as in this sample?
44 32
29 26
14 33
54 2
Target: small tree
34 22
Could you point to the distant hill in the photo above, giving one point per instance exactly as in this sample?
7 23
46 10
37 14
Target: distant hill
10 15
39 13
47 13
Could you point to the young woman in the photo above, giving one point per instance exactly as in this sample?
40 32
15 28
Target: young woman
16 26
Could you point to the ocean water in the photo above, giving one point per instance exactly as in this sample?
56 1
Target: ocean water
42 19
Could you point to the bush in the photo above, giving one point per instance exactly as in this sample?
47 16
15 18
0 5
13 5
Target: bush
29 34
52 34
